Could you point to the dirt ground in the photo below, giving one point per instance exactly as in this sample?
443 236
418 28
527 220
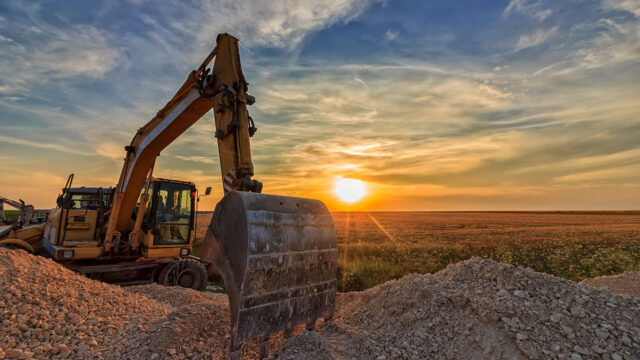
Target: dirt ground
624 284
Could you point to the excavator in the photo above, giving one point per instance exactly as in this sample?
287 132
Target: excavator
28 215
276 254
25 210
30 236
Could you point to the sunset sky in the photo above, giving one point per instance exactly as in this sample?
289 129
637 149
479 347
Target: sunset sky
435 105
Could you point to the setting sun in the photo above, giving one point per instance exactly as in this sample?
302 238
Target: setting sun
350 190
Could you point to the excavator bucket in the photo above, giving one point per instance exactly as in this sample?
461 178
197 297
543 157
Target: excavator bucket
277 256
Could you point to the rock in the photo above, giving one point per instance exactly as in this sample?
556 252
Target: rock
520 293
555 317
13 353
602 334
577 311
581 350
626 340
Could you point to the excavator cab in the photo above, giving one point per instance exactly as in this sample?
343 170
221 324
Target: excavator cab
169 219
72 230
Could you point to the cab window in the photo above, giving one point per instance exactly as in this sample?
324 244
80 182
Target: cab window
88 201
173 214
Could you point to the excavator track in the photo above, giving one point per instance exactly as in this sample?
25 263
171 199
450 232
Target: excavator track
277 256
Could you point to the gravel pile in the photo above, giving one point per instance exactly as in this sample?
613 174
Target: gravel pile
48 311
195 327
476 309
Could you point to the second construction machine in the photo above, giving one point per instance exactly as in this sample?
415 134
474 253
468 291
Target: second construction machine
277 255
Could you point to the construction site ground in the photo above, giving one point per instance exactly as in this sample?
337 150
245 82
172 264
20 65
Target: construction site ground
475 309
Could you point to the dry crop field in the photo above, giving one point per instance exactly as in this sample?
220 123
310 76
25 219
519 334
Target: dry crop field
379 246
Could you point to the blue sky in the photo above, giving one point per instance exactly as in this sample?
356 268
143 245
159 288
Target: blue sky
437 105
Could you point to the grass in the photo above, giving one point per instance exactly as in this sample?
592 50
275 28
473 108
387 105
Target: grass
11 215
380 246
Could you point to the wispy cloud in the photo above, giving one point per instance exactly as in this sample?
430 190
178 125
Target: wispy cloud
54 52
536 38
631 6
534 9
279 23
39 145
197 159
391 35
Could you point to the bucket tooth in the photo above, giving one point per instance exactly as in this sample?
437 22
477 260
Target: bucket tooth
277 256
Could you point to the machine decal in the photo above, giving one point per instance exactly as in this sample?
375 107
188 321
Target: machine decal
227 180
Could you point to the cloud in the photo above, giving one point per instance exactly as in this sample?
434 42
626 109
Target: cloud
277 23
575 38
631 6
36 52
611 175
357 79
391 35
40 145
533 9
110 150
198 159
281 23
538 37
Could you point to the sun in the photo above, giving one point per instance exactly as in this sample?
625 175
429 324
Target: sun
350 190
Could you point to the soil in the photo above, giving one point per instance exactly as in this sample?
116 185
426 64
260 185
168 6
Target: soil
624 284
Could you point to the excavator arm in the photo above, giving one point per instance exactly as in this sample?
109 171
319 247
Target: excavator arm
25 210
224 90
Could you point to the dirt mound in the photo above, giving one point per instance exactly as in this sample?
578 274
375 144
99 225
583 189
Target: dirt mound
477 309
624 284
196 327
48 311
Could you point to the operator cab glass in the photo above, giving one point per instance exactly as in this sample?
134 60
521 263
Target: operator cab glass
86 198
174 209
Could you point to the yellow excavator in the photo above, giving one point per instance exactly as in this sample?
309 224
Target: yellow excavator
276 254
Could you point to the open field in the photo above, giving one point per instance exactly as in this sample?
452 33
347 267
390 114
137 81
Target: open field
11 215
379 246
